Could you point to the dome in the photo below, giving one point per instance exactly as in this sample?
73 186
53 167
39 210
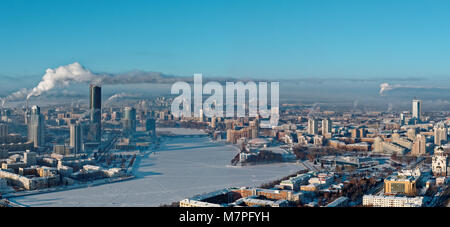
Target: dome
439 149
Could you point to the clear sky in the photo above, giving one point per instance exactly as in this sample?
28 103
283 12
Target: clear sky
236 38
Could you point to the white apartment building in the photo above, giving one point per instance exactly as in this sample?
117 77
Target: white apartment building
392 201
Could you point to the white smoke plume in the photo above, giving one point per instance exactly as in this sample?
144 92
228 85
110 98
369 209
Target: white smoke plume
386 87
63 76
18 95
121 95
313 109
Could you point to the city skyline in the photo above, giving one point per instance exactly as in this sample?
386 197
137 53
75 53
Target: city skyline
225 103
68 84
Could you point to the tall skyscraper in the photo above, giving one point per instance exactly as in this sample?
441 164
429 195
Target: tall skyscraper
95 106
440 134
417 109
76 137
26 116
3 130
36 127
150 126
312 126
402 119
419 145
129 120
326 126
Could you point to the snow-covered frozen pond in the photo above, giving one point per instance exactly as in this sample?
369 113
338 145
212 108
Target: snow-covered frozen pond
183 167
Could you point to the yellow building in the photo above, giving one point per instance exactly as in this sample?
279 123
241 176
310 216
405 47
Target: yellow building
404 185
309 187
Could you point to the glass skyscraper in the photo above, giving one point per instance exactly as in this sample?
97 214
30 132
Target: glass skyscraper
36 127
95 106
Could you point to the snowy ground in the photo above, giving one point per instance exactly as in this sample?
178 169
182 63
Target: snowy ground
183 167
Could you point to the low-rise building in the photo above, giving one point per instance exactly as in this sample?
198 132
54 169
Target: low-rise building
392 201
254 201
400 185
294 183
339 202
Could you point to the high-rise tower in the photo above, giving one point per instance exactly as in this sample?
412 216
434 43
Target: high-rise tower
417 109
312 126
36 127
76 137
326 126
419 146
440 134
129 120
150 126
95 106
3 130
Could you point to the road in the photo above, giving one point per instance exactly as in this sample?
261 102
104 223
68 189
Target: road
310 167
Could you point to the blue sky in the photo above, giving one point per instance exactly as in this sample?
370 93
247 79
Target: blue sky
242 38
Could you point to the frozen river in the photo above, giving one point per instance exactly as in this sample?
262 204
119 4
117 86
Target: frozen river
183 167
